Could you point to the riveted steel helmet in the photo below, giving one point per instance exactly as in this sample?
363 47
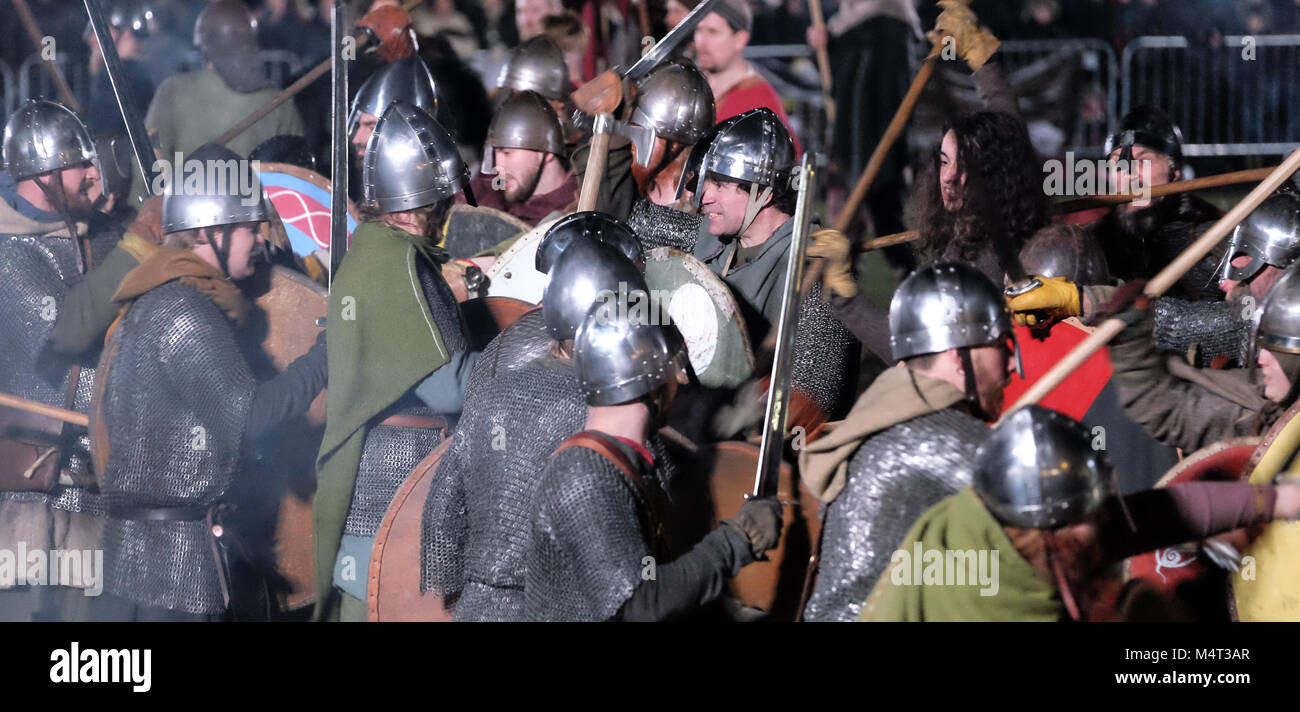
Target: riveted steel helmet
1279 317
943 306
526 120
1150 127
676 102
43 136
1066 251
133 15
1268 236
584 274
618 359
408 79
1038 470
224 196
754 147
537 65
588 225
411 161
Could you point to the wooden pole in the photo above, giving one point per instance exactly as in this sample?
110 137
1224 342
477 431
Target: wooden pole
823 58
1162 281
67 416
34 33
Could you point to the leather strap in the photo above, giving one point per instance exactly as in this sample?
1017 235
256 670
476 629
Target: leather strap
424 422
603 446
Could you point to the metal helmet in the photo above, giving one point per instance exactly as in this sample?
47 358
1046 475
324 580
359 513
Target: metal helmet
526 120
133 15
676 102
586 273
537 65
619 360
225 26
218 200
411 161
1150 127
943 306
408 79
753 147
588 225
1066 251
1279 316
1268 236
43 136
1038 470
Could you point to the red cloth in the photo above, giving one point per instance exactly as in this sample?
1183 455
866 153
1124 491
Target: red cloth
640 449
1078 391
752 93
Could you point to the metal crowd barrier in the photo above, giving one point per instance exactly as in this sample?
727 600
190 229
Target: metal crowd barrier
1236 99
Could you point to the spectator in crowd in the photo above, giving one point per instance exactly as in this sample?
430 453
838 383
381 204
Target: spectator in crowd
442 18
720 41
529 14
571 36
1041 20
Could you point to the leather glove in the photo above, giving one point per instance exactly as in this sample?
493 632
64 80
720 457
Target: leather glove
760 521
833 247
1057 298
958 21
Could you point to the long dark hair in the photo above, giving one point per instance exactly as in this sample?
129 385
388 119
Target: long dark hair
1002 200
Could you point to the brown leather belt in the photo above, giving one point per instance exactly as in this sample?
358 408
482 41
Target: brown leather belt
424 422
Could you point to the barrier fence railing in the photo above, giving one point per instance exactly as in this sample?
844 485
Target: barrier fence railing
1239 98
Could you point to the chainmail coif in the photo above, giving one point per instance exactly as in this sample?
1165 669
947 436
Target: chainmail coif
893 478
478 516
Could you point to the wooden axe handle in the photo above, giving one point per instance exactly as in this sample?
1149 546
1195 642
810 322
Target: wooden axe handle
595 173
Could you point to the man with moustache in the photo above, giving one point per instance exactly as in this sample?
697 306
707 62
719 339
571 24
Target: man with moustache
525 169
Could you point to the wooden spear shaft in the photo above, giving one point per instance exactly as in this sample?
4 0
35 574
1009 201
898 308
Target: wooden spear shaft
1161 282
34 32
1069 206
823 58
876 161
67 416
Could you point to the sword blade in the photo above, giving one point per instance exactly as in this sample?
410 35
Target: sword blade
675 36
135 131
778 394
338 141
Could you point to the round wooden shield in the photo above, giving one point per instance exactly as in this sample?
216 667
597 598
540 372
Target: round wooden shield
471 230
291 306
302 200
706 313
776 585
1167 568
514 274
393 592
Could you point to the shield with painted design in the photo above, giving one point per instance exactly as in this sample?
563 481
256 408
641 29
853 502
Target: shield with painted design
302 200
706 313
1168 568
1267 588
471 230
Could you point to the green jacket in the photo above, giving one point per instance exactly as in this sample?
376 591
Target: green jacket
382 342
193 108
757 285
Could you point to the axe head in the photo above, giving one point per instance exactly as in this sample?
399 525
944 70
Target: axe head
643 138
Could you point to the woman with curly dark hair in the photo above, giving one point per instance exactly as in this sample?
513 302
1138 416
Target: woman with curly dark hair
982 198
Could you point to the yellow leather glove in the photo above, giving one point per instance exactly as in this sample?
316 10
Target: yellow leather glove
833 247
959 22
1058 298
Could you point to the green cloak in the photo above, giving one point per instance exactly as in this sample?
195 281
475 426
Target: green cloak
382 341
961 522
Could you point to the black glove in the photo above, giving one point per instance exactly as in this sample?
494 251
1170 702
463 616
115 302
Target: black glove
760 521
